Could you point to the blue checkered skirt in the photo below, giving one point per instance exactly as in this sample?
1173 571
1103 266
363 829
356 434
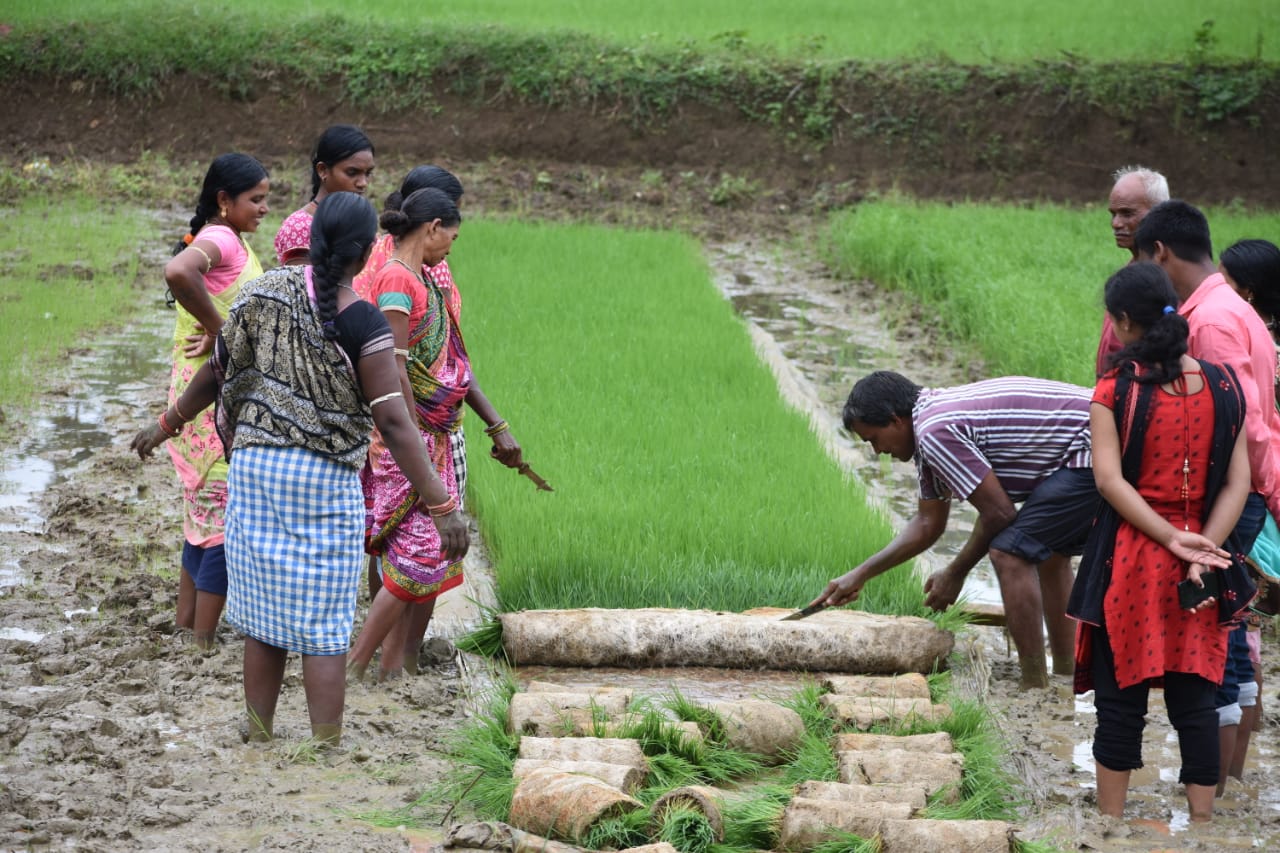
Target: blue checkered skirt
295 548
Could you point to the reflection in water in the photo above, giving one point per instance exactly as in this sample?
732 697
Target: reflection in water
69 431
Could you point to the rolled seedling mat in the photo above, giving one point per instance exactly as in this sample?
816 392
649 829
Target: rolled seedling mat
571 722
624 777
933 771
537 713
759 726
808 823
702 798
932 742
842 641
912 795
953 836
565 805
623 751
502 838
907 686
659 847
626 693
863 712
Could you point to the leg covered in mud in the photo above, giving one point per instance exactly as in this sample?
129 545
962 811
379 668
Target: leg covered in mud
263 676
1020 589
385 617
324 678
1055 588
1190 701
419 617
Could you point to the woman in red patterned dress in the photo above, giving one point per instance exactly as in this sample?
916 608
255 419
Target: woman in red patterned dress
1169 458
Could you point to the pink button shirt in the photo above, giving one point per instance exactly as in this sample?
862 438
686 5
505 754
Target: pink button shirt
1225 330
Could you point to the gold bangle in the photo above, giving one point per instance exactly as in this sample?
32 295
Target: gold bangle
207 260
494 430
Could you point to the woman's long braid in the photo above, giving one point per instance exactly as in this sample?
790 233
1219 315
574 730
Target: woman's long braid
327 278
342 231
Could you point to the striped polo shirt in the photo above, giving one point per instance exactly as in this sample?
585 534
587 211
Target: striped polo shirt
1022 428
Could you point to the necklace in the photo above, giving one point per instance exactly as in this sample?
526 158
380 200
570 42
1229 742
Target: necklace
1186 458
414 272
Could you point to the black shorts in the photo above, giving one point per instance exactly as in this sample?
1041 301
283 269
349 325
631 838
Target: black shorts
1054 519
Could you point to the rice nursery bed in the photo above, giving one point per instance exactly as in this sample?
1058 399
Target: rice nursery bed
1023 283
681 479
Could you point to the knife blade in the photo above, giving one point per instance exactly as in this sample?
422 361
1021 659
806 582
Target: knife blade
804 611
542 484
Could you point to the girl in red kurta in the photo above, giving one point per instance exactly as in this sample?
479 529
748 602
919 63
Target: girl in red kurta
1170 460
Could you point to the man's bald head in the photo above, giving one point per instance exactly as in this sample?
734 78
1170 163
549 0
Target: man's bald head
1136 191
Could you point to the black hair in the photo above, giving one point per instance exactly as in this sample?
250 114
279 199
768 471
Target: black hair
1143 294
1180 227
336 144
343 229
422 177
1254 265
422 206
230 173
878 398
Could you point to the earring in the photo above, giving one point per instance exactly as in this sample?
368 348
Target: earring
222 212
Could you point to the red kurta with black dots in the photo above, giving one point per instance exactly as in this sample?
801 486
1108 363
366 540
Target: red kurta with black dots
1150 634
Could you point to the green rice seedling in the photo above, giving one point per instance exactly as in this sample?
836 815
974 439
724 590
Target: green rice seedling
686 829
630 829
483 755
752 822
967 31
813 758
1033 274
486 638
681 479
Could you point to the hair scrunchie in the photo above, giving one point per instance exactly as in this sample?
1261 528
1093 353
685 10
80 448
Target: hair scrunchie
1169 309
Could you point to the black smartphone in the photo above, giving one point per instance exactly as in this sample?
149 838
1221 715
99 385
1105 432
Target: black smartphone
1189 595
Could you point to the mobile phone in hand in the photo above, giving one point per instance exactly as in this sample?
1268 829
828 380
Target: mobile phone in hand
1190 595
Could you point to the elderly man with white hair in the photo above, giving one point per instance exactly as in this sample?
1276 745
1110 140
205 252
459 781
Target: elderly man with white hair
1136 190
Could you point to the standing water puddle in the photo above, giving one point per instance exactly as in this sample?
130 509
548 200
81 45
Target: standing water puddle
71 429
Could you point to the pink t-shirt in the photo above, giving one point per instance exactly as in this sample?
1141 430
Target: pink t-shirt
1226 330
293 240
234 256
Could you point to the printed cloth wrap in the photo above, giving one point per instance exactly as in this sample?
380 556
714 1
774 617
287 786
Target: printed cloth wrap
439 373
294 548
197 451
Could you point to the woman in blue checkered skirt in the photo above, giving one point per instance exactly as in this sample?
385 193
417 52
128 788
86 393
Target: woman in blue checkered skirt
302 370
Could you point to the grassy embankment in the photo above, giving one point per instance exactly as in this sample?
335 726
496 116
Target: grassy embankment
892 81
964 30
1024 284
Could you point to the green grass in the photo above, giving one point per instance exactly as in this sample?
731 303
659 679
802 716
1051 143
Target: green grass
69 266
966 30
1023 283
681 479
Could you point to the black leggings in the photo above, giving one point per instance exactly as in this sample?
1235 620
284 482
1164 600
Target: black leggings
1117 742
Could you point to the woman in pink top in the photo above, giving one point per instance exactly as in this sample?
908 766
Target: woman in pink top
204 277
342 162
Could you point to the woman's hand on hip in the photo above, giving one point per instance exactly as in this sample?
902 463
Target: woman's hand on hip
198 344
